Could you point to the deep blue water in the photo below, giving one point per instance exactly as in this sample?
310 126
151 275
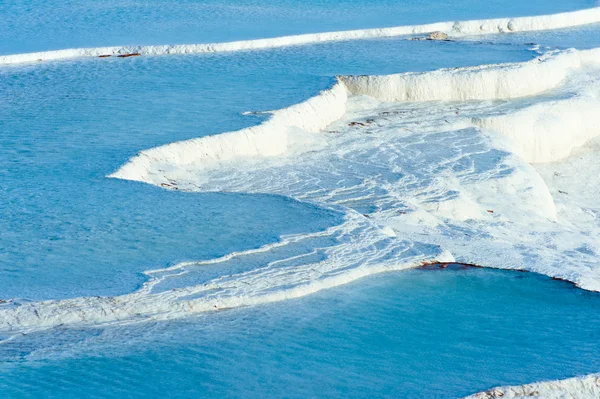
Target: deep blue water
414 334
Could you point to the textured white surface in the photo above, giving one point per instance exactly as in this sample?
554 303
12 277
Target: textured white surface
587 387
267 139
539 132
488 82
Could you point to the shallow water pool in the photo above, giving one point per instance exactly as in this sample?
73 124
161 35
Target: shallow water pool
416 334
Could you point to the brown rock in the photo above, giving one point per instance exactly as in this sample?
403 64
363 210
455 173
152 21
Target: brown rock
437 36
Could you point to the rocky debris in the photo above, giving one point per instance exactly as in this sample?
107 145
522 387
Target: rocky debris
171 185
438 36
129 55
365 123
400 112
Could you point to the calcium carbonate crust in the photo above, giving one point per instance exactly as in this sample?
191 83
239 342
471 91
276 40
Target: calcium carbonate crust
544 143
587 387
450 28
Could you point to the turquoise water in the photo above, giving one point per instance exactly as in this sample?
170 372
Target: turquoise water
582 37
68 231
414 334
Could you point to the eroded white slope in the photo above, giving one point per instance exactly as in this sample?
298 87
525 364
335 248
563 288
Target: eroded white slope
270 138
537 135
550 129
587 387
453 28
487 82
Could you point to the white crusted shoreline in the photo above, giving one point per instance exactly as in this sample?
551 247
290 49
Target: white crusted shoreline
587 387
451 28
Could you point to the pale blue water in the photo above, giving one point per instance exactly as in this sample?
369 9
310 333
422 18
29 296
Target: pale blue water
67 231
582 37
414 334
35 25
